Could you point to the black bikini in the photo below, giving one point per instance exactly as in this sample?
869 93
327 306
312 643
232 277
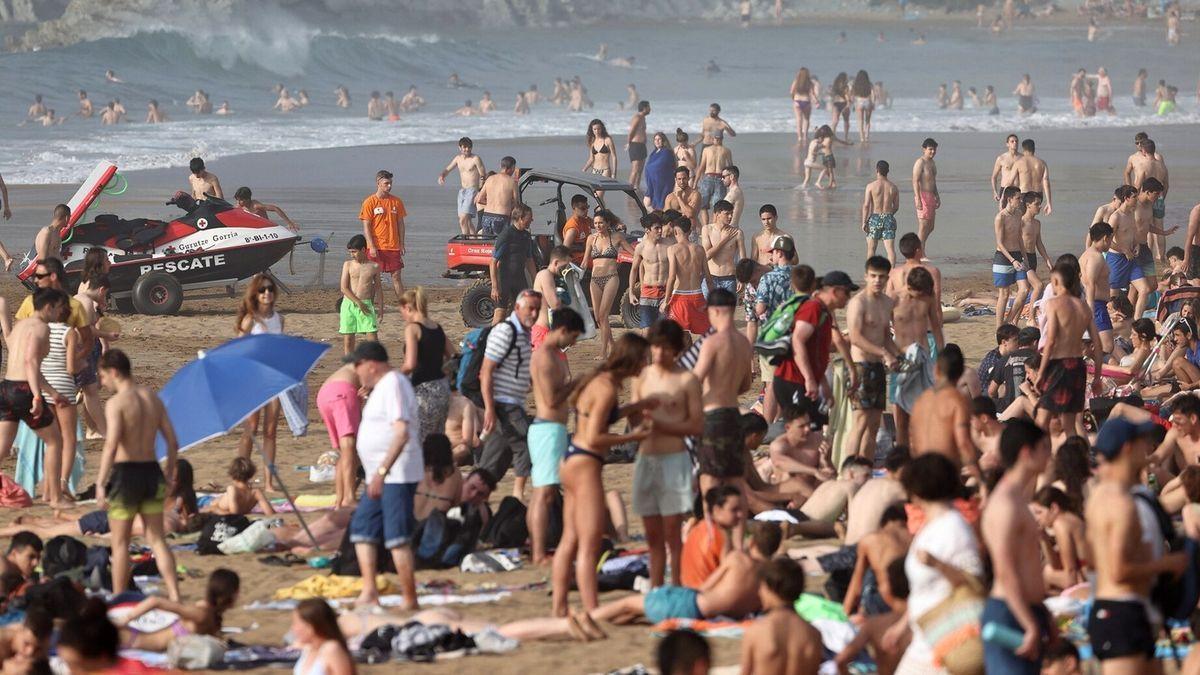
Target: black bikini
574 450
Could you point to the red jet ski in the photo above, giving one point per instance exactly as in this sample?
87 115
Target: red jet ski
154 261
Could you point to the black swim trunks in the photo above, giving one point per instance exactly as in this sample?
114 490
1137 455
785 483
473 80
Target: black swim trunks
637 151
721 453
872 387
16 399
135 487
1063 391
1120 628
1031 261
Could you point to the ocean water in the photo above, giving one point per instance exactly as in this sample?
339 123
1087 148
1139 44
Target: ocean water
240 63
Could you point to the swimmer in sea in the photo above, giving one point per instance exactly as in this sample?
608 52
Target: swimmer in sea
411 99
285 103
375 109
224 109
154 115
454 82
989 100
112 77
1024 93
622 62
521 107
85 105
343 96
109 114
467 110
486 104
712 68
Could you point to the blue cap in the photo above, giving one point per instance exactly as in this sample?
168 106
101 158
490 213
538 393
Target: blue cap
1116 432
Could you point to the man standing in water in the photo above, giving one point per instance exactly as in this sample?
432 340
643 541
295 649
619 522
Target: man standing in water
498 197
1003 171
881 200
129 467
636 144
470 174
382 215
1032 174
925 191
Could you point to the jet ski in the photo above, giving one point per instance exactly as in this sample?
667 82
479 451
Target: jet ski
154 261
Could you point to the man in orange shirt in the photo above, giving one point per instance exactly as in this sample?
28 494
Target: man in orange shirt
382 216
578 227
707 542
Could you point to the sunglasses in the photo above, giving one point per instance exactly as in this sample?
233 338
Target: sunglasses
266 289
41 275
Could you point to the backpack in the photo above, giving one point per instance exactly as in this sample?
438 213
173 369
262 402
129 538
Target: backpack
775 334
472 347
507 527
216 530
345 561
63 554
1175 597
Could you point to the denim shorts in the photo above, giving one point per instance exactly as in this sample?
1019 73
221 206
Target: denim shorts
388 520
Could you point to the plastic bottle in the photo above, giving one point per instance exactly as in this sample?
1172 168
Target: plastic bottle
1004 636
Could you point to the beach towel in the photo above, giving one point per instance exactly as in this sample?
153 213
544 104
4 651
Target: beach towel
660 176
839 410
30 449
294 403
330 586
721 627
914 377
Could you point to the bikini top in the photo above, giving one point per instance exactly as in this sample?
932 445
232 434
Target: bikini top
608 252
602 151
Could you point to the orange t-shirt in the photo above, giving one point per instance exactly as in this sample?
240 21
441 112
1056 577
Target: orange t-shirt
701 554
384 215
584 225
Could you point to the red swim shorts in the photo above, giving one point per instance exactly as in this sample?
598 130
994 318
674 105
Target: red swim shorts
689 311
389 261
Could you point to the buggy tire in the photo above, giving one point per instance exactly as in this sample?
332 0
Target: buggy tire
477 304
157 294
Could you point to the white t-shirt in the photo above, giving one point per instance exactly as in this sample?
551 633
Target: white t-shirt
950 539
391 401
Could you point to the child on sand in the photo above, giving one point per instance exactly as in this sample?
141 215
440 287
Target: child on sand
362 295
239 498
780 641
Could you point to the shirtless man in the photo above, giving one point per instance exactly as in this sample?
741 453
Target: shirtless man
636 144
686 271
925 190
713 161
154 114
1125 270
1094 274
486 104
375 109
1181 446
914 256
1012 536
881 201
730 177
1025 93
866 509
343 96
869 316
109 115
48 242
547 437
799 456
648 273
203 181
544 282
1146 163
23 388
1128 561
941 417
760 245
1032 244
498 196
1104 92
362 295
37 110
85 104
470 174
714 127
724 245
245 200
411 99
1032 174
128 466
1102 213
915 315
684 198
1008 263
780 641
870 592
985 432
1003 171
1062 375
285 103
723 368
662 474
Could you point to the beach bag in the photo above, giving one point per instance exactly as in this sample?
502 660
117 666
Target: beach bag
1175 597
12 495
345 561
472 347
775 334
195 652
952 629
216 530
507 527
63 554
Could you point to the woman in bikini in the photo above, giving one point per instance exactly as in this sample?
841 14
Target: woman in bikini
442 485
839 99
802 100
315 629
600 255
685 152
864 103
202 618
257 315
1064 544
602 152
584 516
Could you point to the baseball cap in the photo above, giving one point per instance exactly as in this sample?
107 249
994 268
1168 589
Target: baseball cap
1117 431
1028 335
782 243
367 351
838 278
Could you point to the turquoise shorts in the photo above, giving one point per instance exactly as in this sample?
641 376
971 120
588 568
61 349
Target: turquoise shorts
662 484
671 602
547 445
354 321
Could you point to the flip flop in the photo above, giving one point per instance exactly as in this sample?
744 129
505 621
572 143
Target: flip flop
275 561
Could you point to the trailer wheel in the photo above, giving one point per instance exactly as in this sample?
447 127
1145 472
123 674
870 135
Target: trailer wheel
477 304
157 293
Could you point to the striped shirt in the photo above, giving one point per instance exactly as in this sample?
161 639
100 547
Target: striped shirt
510 379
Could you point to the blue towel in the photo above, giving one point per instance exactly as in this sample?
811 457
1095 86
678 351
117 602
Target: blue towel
30 449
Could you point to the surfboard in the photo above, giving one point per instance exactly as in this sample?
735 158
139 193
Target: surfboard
87 193
573 278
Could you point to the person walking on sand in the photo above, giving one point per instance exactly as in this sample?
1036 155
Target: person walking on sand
257 315
131 482
1003 170
1032 174
925 191
636 144
687 270
802 104
602 151
382 215
869 319
470 174
389 447
362 295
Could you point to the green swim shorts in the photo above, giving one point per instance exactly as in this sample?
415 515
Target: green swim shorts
355 321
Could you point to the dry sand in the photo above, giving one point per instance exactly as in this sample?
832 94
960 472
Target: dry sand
160 345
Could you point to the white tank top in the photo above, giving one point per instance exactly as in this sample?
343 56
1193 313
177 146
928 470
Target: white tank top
271 324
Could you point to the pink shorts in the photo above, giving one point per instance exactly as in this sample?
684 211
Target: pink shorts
928 206
389 261
338 403
538 334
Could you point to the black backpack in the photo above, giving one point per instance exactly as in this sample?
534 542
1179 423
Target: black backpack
507 527
217 530
63 554
345 561
472 348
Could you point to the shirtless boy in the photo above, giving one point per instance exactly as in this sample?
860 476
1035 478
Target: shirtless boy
1147 222
869 317
203 181
1147 163
1062 375
881 200
48 242
1181 446
914 256
470 174
85 104
547 437
686 270
684 198
870 592
130 481
362 295
636 143
544 283
21 392
498 196
246 201
1011 535
1008 264
723 246
1123 258
1003 172
760 245
915 315
648 273
713 161
662 474
925 190
1032 174
240 497
942 416
798 461
1094 274
1032 244
780 641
